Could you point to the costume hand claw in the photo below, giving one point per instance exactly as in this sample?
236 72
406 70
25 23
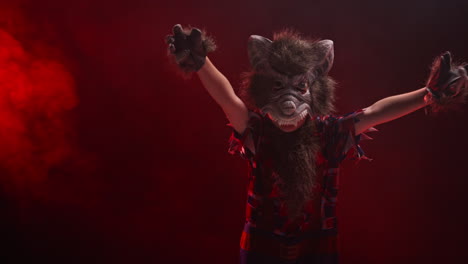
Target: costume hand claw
188 50
446 79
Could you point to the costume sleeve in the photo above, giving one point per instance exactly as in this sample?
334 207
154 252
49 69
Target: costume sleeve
245 144
340 137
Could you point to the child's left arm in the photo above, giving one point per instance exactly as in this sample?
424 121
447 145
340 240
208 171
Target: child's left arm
391 108
447 85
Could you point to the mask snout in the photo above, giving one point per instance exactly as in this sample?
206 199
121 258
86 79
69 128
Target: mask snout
288 107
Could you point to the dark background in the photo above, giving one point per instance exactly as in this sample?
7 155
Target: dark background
147 177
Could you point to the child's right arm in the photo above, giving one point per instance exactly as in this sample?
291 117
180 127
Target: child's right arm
221 90
189 48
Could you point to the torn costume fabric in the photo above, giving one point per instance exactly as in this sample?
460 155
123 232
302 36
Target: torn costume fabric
270 235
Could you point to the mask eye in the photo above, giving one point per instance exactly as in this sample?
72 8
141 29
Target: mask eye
277 85
302 86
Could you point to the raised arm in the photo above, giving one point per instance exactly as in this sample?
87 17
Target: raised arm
391 108
447 85
189 49
221 90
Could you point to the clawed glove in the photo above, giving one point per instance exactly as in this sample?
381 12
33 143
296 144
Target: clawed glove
447 83
189 47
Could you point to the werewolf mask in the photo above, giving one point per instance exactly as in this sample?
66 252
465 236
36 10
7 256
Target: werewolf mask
289 79
289 83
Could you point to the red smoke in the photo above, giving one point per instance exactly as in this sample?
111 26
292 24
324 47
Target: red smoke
37 92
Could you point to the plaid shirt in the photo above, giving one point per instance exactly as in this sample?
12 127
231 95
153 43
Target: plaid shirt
267 225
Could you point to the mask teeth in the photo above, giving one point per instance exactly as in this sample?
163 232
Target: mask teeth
298 119
290 122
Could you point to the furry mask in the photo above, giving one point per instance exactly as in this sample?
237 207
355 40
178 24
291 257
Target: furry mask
288 83
289 79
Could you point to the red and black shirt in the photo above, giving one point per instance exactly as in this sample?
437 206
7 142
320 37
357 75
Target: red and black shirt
266 213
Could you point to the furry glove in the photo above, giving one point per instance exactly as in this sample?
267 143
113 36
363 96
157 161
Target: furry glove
447 83
188 47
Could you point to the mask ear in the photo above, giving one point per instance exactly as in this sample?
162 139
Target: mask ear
258 48
325 54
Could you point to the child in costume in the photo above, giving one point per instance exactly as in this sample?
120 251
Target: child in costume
283 126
